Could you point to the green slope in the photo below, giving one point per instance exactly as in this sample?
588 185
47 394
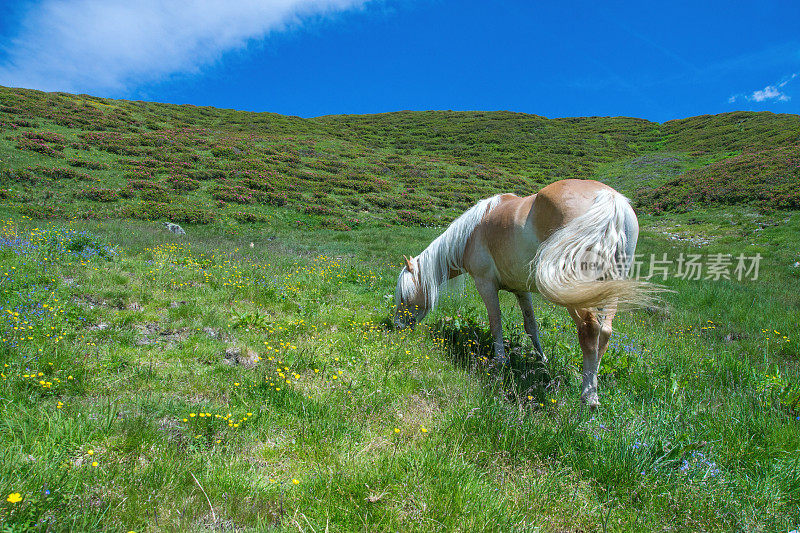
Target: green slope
67 155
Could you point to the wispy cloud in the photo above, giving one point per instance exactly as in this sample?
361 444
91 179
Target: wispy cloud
92 45
769 93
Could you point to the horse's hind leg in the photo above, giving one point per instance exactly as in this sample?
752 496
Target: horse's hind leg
488 291
589 328
529 320
605 329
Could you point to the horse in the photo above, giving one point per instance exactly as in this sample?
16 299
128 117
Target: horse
573 242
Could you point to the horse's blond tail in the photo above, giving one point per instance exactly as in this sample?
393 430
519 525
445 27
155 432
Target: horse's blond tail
585 264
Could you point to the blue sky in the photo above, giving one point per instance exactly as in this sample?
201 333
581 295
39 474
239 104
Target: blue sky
317 57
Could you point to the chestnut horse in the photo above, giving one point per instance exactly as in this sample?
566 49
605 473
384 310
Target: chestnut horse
573 241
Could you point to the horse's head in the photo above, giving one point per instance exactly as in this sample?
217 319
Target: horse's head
410 302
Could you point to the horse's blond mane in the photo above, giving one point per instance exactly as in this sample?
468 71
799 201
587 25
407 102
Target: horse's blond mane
445 253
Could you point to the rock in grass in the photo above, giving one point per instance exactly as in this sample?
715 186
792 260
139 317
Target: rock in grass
236 356
174 228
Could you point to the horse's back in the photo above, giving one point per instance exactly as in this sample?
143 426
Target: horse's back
560 202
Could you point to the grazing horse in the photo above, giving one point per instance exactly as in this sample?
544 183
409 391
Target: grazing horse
573 241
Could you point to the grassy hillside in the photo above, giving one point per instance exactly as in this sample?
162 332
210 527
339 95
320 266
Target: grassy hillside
764 178
112 158
554 148
244 378
732 131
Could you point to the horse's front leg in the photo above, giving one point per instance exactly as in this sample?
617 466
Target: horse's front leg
529 320
488 291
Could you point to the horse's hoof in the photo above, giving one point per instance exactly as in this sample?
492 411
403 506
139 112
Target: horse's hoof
500 361
591 401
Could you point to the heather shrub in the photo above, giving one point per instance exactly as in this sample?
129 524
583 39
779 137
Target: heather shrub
181 183
408 217
45 211
184 212
92 165
204 175
40 146
98 194
234 194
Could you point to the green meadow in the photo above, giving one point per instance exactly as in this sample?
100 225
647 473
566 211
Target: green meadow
245 377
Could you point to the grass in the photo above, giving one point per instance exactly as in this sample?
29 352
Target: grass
243 377
342 423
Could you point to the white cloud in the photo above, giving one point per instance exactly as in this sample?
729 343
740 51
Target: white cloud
787 80
91 45
770 92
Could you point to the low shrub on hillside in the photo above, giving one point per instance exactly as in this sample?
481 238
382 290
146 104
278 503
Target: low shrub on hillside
235 194
23 123
227 152
58 173
769 179
45 136
204 175
431 165
42 211
335 224
185 212
37 174
11 110
269 181
408 217
98 194
318 209
40 146
181 183
141 185
155 194
92 165
358 185
19 176
404 200
325 165
277 199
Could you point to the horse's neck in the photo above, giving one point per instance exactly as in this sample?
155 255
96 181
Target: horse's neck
444 257
433 258
437 265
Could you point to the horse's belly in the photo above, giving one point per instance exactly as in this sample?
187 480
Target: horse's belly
513 269
517 281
